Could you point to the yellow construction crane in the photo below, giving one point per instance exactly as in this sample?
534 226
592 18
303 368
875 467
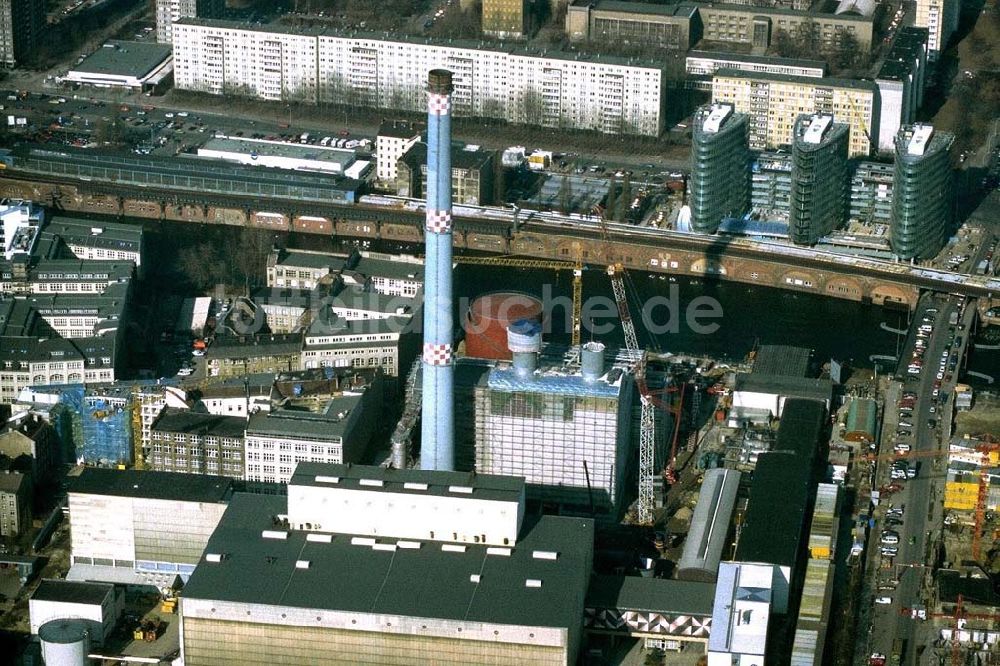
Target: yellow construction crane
513 262
139 459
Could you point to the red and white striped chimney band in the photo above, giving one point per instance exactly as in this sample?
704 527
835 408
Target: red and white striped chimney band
439 105
438 221
437 354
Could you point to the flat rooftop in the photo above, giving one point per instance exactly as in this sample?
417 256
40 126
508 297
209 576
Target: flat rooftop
557 375
724 56
467 583
72 592
409 481
123 58
655 595
230 144
781 361
825 82
177 420
152 485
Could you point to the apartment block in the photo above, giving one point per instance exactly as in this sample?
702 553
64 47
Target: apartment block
394 138
555 89
197 443
15 503
169 11
389 274
700 66
22 23
900 83
940 17
774 101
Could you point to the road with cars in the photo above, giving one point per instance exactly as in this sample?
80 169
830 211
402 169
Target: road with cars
910 471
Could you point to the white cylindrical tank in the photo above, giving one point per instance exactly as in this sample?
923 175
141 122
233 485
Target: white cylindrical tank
592 361
65 642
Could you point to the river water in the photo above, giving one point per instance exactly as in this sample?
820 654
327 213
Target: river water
748 314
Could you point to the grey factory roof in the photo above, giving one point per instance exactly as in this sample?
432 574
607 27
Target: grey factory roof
173 419
152 485
31 349
781 361
782 11
825 82
322 426
709 525
125 58
762 59
283 296
413 582
776 514
799 387
484 486
229 144
895 70
657 595
72 592
57 270
254 346
328 323
373 265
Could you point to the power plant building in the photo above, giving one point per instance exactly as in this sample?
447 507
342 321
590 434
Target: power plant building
720 184
413 582
922 192
564 426
818 199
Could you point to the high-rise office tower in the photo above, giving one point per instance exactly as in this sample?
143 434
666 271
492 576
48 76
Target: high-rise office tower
940 17
720 166
922 194
819 195
437 445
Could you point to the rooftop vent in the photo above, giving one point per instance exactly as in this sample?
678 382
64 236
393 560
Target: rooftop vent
533 582
274 534
327 479
452 548
376 483
544 555
388 547
460 489
496 550
215 557
301 564
409 545
414 486
362 541
475 578
320 538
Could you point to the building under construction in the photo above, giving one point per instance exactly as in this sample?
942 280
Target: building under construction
922 195
562 424
720 186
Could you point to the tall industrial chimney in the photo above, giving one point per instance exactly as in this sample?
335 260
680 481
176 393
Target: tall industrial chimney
437 447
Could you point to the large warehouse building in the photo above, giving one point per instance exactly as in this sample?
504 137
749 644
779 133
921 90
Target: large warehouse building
414 585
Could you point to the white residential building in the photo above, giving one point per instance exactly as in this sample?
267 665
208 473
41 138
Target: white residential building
168 11
940 17
567 90
395 137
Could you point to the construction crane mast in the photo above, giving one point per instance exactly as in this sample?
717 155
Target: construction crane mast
647 424
512 262
987 449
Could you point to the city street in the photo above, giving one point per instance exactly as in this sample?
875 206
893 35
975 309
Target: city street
904 578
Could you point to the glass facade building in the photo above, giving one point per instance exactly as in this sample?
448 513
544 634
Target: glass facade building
921 205
819 193
720 161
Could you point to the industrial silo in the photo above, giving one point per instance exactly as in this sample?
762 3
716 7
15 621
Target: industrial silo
65 642
488 318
